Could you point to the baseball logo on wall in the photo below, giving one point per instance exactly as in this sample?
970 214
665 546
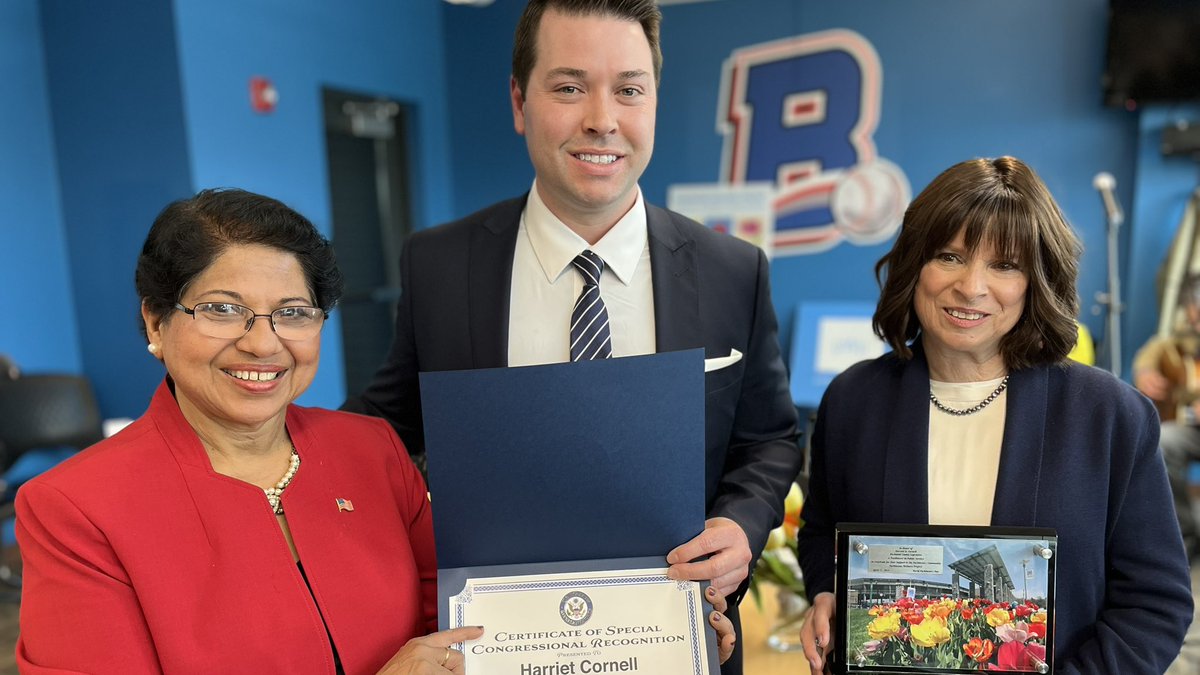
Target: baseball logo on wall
800 114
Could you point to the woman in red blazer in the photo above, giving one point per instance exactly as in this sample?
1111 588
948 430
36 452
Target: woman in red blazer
228 530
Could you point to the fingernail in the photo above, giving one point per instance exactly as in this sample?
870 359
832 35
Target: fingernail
711 592
716 616
817 641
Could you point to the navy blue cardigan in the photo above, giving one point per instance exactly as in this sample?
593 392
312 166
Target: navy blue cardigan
1080 455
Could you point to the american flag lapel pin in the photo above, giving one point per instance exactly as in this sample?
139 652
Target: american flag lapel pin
344 504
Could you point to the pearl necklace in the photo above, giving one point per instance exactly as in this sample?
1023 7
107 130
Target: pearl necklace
973 409
275 494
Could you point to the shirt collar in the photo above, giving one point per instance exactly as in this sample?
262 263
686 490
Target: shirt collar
555 245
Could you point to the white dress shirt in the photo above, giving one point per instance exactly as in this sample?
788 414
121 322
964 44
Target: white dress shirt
545 285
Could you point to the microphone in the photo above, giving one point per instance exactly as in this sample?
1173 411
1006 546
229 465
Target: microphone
1105 183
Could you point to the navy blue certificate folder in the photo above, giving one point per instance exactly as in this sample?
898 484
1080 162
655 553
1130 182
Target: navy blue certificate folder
596 466
566 462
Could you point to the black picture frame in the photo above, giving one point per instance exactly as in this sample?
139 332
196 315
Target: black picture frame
875 561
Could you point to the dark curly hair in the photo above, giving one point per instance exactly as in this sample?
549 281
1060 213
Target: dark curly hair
191 233
1003 202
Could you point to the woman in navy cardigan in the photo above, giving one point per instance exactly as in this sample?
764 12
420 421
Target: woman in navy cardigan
976 418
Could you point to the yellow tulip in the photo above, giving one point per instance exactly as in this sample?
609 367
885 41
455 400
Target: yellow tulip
930 633
791 511
998 617
776 539
884 627
794 501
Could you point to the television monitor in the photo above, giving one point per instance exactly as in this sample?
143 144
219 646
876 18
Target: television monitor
1153 52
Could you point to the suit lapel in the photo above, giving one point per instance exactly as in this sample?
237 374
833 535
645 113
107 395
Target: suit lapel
906 462
1021 452
490 283
676 291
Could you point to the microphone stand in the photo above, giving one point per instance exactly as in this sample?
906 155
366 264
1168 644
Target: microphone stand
1112 298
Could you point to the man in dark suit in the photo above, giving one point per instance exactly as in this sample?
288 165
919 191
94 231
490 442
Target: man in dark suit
499 287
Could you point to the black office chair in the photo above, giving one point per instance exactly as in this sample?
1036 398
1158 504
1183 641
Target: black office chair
41 411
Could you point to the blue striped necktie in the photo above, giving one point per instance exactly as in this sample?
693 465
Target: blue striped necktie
590 338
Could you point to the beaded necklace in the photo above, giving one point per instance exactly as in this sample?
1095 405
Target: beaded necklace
973 409
275 494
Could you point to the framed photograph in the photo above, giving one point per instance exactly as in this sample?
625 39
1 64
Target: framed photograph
944 599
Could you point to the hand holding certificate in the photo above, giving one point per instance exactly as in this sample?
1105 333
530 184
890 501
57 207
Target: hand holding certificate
557 491
726 553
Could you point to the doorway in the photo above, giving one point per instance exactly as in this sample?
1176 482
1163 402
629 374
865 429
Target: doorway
366 141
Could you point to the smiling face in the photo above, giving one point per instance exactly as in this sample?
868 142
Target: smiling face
587 114
246 383
966 302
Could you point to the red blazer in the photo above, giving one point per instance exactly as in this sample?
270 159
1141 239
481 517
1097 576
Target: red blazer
139 558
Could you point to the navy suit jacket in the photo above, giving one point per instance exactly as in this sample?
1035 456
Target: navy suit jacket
1080 455
711 291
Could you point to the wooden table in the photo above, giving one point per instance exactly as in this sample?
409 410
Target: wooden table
759 659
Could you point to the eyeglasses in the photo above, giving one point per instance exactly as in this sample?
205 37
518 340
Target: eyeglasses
230 321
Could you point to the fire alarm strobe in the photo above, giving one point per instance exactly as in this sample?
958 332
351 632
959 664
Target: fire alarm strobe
263 95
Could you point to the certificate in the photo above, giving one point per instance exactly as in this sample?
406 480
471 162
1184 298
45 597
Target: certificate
574 623
594 467
944 599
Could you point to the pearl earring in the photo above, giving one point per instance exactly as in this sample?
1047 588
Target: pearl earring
152 348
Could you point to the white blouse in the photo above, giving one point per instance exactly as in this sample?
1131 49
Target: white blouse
964 453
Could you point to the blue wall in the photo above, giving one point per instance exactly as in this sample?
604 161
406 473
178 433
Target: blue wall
118 128
960 80
150 103
38 330
373 47
125 107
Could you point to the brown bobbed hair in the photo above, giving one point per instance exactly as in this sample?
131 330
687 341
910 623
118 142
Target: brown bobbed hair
644 12
1003 202
189 234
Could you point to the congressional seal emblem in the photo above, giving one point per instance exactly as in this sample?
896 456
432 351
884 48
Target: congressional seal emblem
575 608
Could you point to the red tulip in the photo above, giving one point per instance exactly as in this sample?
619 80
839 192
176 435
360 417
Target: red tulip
1017 656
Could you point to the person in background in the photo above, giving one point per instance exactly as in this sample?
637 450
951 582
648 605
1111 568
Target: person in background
8 368
228 530
499 287
977 418
1165 370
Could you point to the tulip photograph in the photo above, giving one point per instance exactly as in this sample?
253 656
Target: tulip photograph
948 604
